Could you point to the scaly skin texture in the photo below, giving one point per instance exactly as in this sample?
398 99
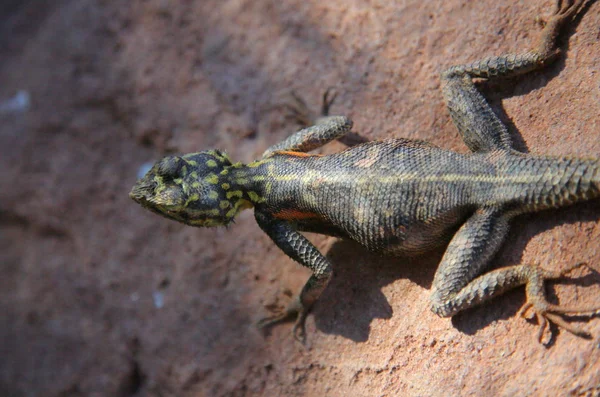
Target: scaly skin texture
396 196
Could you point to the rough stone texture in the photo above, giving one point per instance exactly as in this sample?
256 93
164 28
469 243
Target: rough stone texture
101 298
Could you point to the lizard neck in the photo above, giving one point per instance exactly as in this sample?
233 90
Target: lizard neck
242 186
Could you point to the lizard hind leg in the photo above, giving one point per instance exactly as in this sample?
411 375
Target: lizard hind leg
546 312
461 281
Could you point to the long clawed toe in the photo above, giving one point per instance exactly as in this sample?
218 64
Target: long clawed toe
328 98
276 318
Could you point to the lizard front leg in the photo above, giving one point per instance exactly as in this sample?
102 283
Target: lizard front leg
325 129
479 126
458 283
297 247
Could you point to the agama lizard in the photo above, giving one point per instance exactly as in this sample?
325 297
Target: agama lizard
395 196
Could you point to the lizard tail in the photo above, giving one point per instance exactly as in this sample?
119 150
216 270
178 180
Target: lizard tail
549 182
568 181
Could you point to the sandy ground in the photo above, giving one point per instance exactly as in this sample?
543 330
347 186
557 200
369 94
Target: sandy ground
101 298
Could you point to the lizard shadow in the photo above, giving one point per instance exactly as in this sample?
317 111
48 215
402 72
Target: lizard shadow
354 298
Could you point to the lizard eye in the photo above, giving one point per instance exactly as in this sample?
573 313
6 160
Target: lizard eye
170 166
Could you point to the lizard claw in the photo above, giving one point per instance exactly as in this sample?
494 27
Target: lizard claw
546 312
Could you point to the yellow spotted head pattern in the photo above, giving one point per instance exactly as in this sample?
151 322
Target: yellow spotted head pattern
189 189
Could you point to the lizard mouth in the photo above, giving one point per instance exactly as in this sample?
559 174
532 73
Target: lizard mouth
141 192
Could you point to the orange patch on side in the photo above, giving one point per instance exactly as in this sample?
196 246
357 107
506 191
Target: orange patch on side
297 154
291 215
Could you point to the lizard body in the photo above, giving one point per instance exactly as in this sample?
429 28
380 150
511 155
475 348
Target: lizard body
405 196
394 196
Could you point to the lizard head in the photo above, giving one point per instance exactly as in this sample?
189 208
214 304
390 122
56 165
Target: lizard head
187 189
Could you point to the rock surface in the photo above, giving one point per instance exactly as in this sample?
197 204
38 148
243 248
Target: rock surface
101 298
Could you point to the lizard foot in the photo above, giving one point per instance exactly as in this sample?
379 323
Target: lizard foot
301 113
294 310
546 312
565 10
